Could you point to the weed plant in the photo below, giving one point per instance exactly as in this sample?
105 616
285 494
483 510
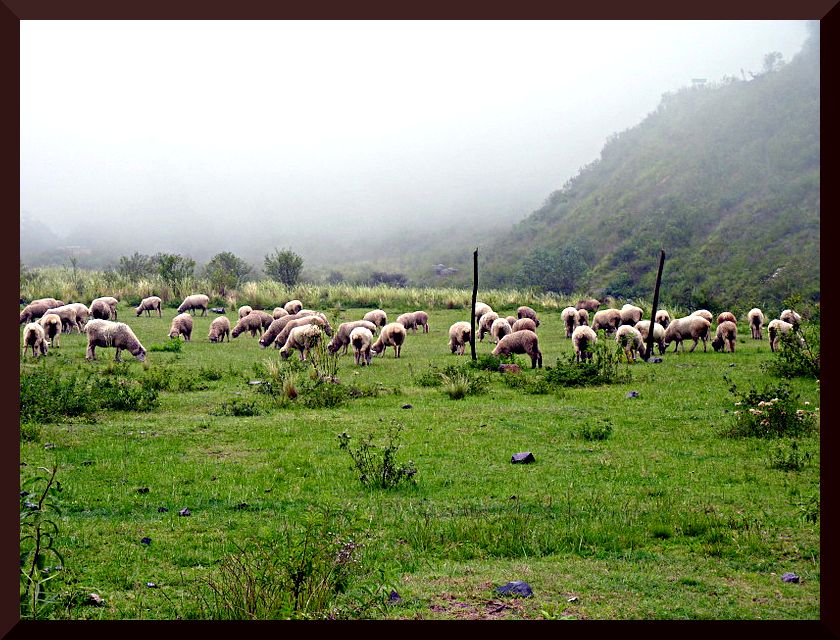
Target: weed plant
794 359
771 413
787 456
605 367
377 465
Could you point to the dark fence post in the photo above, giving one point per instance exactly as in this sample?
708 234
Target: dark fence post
472 308
649 346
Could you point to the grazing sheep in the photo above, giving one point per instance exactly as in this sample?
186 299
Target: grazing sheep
607 319
293 306
33 311
485 323
658 334
630 339
300 322
421 319
583 337
152 303
361 338
104 333
524 324
51 324
33 336
756 320
590 304
500 328
219 328
50 301
193 302
252 322
527 312
67 313
244 310
100 310
408 321
694 326
377 317
630 314
82 315
726 316
481 309
275 328
265 318
570 319
279 312
393 335
583 317
662 317
791 317
511 320
302 339
182 325
459 336
341 338
727 332
777 328
111 302
703 313
520 342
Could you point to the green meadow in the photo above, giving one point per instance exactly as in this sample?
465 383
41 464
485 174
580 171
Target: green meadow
635 507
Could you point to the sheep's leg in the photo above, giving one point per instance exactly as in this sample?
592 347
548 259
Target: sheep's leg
117 357
90 355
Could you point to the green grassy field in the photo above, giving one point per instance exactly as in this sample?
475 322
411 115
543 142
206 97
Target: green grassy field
663 519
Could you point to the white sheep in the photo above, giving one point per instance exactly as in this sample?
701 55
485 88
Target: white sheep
756 320
244 310
279 312
421 319
776 329
703 313
521 342
152 303
694 327
524 324
662 317
630 339
100 310
393 335
33 336
658 334
500 328
361 338
302 339
341 338
51 324
219 328
726 316
607 319
485 323
527 312
82 315
791 317
570 319
251 322
182 325
293 306
727 333
67 313
481 309
630 314
111 302
583 338
104 333
459 336
193 302
583 317
377 317
302 321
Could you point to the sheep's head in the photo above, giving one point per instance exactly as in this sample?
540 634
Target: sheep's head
140 354
174 333
717 344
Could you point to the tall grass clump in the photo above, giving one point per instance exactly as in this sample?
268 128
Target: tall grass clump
377 464
605 367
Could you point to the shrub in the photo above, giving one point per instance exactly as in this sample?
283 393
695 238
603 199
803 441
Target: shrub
787 456
174 345
322 394
534 385
238 407
45 396
601 430
793 359
604 368
430 378
459 382
377 464
772 412
124 394
489 362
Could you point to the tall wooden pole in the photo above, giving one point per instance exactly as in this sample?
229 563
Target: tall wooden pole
649 346
472 308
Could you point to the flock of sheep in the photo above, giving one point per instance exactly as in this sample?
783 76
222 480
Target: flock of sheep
293 328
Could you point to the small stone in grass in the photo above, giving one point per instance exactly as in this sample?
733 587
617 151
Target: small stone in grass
151 585
162 509
522 458
790 577
510 368
184 512
655 360
516 588
394 597
406 406
87 463
49 445
146 540
95 599
731 364
143 490
243 505
632 394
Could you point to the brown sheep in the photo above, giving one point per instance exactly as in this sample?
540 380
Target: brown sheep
756 319
111 302
511 320
182 325
377 317
607 319
104 333
520 342
590 304
51 324
341 338
583 317
459 336
726 316
727 333
33 311
100 310
219 328
393 335
527 312
524 324
694 327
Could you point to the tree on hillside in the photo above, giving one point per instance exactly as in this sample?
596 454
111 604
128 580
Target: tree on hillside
226 271
284 266
173 269
136 266
557 269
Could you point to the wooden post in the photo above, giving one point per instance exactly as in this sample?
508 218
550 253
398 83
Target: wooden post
472 308
649 346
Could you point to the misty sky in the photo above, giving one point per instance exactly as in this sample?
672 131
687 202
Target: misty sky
245 127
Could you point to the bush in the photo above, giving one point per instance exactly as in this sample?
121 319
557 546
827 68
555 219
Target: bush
533 385
123 394
377 465
238 407
604 368
459 382
322 394
772 412
489 362
45 396
787 456
599 431
795 360
174 345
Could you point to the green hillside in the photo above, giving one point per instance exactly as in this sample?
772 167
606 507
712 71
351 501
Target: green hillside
724 177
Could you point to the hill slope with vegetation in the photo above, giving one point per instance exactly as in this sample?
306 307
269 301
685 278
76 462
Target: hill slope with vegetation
724 177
